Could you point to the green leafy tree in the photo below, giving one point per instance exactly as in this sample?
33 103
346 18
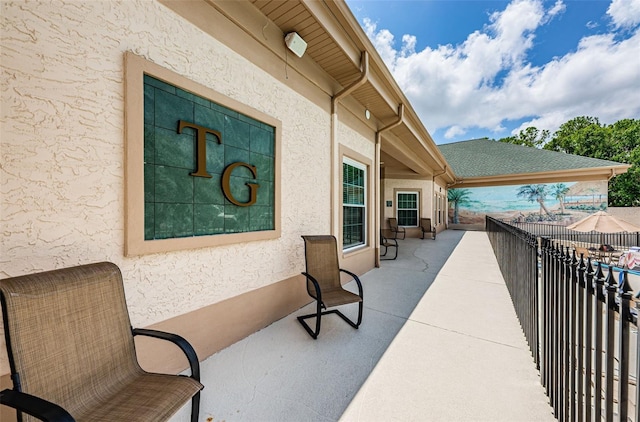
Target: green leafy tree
624 189
529 137
583 136
587 137
458 197
559 191
535 193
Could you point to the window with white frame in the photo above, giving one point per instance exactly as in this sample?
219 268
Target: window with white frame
407 209
354 200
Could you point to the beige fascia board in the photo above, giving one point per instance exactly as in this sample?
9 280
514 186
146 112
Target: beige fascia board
420 133
377 83
336 31
391 173
399 150
571 175
327 20
392 92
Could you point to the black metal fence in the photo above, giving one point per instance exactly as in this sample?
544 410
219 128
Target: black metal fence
585 341
622 240
517 254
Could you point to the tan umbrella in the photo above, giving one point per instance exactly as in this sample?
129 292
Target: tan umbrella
602 222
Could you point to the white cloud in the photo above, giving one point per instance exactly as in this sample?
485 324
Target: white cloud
487 80
624 13
454 131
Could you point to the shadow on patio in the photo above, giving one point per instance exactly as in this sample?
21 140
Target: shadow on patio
454 353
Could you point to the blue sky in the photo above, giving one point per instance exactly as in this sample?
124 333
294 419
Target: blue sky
476 68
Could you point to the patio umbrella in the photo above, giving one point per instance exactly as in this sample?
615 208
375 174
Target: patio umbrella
603 223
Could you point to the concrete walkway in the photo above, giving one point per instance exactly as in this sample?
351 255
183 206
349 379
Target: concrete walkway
439 341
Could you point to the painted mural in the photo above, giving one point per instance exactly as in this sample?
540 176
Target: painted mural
551 203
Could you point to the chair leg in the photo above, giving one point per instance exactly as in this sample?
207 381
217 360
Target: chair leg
386 250
318 315
195 407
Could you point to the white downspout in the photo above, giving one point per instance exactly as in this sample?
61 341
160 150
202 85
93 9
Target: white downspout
335 167
376 170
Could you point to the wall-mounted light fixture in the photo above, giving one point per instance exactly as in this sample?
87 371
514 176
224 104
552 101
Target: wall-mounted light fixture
367 114
295 43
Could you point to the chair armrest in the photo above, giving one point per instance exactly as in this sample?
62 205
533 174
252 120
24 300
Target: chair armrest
35 406
179 341
316 285
355 277
390 242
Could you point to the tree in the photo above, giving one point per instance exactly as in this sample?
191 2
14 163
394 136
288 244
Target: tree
559 191
618 142
537 193
624 190
529 137
583 136
458 197
587 137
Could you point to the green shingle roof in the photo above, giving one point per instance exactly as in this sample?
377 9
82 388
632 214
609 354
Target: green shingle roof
486 157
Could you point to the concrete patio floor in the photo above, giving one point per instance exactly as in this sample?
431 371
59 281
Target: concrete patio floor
439 341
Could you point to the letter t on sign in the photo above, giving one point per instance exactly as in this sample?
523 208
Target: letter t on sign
201 150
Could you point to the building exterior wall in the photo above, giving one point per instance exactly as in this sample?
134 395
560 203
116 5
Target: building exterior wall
64 145
63 178
425 189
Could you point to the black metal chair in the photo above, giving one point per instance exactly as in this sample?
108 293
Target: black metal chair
395 229
387 243
72 355
323 282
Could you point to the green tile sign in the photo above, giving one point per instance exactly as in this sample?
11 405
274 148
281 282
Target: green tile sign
207 169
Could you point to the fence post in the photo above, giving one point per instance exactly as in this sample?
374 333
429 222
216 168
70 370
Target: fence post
572 279
610 337
599 299
623 354
534 259
559 320
578 271
569 374
588 341
546 309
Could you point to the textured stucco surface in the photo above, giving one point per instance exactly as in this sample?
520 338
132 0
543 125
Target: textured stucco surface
62 148
426 197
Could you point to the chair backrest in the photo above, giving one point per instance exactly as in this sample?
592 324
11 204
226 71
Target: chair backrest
393 223
321 258
583 251
68 333
425 223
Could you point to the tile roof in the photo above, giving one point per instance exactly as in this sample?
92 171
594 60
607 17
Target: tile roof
486 157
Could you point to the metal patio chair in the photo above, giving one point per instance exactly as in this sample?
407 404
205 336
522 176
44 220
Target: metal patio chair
395 229
72 356
388 243
323 282
426 227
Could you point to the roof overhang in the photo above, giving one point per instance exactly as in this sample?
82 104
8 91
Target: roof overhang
572 175
332 61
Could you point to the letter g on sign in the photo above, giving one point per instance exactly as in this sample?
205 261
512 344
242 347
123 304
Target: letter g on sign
226 184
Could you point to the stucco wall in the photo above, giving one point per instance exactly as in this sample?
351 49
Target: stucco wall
62 141
426 197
